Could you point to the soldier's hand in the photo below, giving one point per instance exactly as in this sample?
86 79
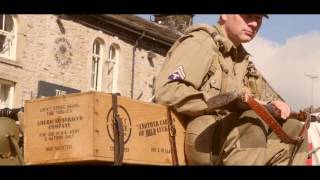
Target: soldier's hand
246 91
281 109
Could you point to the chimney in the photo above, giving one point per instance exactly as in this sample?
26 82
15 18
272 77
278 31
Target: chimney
173 21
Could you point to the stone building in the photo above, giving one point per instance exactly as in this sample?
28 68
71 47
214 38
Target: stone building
45 55
48 55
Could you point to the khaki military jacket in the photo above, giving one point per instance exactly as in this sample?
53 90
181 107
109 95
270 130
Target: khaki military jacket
201 64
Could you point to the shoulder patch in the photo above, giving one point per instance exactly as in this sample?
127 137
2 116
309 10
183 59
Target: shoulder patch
178 74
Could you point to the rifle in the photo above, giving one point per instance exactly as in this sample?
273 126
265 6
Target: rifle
268 113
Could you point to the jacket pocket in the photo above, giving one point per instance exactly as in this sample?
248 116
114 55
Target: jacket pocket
213 84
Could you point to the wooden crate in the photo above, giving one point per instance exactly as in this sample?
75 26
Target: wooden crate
77 128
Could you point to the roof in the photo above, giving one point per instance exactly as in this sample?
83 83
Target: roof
140 25
131 23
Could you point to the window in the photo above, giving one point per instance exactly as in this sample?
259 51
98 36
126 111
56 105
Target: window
7 36
6 94
112 64
97 55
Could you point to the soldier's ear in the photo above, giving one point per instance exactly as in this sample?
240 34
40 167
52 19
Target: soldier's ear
223 18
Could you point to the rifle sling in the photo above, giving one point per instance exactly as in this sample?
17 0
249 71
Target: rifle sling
15 146
172 139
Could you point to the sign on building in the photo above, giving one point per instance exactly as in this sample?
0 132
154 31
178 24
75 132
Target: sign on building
50 89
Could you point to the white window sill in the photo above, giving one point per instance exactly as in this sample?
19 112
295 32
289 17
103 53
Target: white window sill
4 60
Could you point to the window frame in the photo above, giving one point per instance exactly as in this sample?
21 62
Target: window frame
115 64
9 103
13 39
96 63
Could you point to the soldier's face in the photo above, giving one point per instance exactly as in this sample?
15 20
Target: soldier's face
241 28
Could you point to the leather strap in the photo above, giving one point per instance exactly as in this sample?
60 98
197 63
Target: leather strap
275 126
172 139
118 134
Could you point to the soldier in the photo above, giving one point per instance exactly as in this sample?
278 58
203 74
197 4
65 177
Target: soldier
208 61
10 147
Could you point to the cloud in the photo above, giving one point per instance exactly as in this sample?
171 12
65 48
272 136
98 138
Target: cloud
285 66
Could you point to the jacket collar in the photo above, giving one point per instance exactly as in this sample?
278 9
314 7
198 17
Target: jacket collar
227 47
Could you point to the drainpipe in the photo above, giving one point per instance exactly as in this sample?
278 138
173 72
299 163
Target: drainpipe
133 61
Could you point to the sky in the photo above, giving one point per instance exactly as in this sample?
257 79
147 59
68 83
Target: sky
286 52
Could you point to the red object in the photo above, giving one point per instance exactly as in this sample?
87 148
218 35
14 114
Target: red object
309 160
